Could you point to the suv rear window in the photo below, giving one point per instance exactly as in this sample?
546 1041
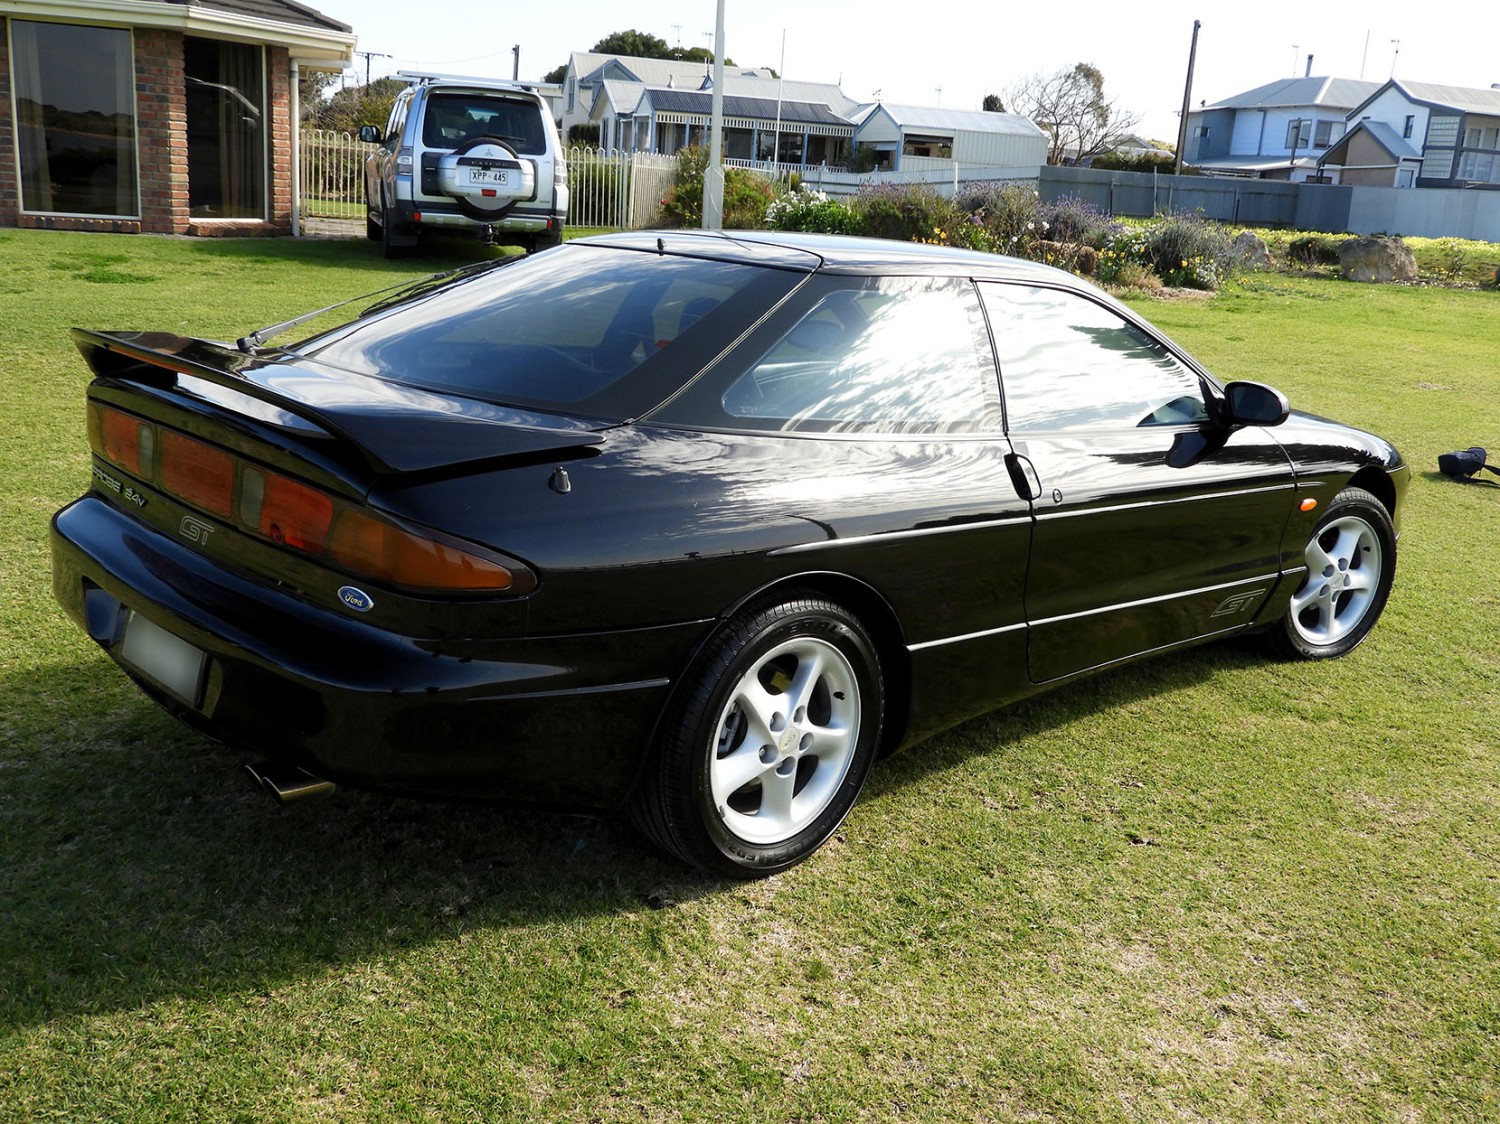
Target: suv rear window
453 118
589 330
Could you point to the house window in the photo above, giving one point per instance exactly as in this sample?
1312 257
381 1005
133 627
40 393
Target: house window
917 145
1411 123
226 128
1324 134
1297 133
74 90
1201 132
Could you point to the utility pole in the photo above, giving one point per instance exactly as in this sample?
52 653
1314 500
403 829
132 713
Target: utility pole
1187 100
713 176
368 56
515 69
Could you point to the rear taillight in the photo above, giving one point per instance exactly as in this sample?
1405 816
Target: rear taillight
368 545
297 516
125 441
284 511
198 474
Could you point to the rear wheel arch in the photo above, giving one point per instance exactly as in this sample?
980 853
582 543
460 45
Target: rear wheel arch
877 616
867 605
764 745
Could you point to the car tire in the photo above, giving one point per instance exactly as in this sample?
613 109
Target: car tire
1351 561
769 740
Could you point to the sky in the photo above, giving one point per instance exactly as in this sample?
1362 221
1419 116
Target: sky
960 53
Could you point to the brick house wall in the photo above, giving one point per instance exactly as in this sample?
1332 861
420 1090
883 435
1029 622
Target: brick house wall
161 147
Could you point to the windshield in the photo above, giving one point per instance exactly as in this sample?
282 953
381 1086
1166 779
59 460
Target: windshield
581 329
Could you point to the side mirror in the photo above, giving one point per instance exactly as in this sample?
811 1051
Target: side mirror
1254 403
370 134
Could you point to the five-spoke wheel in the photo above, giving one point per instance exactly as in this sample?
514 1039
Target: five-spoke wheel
1351 557
769 742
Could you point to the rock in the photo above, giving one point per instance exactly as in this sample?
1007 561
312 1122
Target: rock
1251 250
1377 259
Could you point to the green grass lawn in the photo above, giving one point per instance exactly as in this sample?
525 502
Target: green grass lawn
1211 887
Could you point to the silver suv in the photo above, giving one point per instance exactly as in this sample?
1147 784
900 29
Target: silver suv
470 154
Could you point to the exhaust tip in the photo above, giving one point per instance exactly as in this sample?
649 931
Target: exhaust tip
288 782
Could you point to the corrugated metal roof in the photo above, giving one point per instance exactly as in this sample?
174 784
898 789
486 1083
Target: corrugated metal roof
1334 93
657 72
1381 133
1462 98
277 11
921 117
701 102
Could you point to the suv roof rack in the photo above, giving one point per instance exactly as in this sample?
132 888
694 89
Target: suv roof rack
422 78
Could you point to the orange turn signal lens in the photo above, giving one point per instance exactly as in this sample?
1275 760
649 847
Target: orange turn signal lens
1307 504
373 547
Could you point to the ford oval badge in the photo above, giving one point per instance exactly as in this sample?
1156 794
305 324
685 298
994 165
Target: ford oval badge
356 599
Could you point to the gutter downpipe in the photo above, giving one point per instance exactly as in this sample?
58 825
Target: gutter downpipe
296 132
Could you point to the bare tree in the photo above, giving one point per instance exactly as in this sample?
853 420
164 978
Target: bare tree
1070 107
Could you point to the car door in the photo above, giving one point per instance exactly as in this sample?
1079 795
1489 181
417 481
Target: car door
877 401
1154 525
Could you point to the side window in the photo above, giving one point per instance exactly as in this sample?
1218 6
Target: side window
898 356
398 120
1069 363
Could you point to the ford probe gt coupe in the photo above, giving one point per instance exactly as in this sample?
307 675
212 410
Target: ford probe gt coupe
693 526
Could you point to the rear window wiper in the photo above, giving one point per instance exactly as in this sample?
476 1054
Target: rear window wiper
402 290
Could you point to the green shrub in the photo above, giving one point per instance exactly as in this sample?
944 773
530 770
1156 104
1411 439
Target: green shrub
1070 219
905 213
1184 251
811 211
1010 213
861 158
746 194
1314 249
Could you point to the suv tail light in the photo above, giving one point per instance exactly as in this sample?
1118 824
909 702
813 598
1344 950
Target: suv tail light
296 516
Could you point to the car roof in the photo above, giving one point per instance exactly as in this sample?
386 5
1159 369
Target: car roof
832 253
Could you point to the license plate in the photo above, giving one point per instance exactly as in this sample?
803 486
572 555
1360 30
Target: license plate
168 661
499 176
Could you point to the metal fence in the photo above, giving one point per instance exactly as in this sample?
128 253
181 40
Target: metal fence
332 183
622 190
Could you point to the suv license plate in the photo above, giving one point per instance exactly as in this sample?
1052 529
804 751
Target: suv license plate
489 175
171 663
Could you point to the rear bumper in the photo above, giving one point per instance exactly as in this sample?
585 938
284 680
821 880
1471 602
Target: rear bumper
562 721
518 220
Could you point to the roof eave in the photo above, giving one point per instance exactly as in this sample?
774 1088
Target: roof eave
310 46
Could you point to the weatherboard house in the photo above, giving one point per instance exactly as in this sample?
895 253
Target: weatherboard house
158 116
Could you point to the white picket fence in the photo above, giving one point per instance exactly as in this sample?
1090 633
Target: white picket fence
608 188
622 190
332 174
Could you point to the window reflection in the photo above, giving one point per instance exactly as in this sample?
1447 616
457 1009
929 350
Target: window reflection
1069 363
903 356
75 118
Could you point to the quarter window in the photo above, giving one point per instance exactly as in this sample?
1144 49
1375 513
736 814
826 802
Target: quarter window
899 356
1069 363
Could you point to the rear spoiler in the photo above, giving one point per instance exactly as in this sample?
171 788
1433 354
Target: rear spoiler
394 429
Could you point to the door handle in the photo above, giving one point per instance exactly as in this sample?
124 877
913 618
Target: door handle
1023 477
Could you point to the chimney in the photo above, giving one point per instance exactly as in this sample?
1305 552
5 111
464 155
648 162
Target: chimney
1308 74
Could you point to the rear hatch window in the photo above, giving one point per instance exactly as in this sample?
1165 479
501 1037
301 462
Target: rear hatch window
453 118
582 330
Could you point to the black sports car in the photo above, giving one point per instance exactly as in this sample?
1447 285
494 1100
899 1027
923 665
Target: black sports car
693 526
